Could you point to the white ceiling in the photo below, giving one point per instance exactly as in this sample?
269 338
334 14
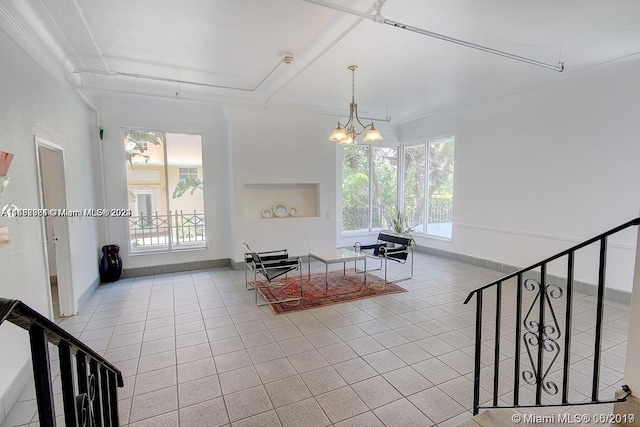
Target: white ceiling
237 43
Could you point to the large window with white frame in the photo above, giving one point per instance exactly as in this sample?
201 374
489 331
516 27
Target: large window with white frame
165 191
413 179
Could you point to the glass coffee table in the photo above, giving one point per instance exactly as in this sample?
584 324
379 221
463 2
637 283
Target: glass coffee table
336 256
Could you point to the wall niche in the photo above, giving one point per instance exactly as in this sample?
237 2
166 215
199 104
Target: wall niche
281 201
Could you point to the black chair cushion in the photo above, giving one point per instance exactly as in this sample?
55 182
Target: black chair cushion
272 267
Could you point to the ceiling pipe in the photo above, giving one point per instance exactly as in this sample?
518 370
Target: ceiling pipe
380 19
287 58
231 101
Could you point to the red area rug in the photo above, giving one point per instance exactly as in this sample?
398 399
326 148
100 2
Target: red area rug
341 289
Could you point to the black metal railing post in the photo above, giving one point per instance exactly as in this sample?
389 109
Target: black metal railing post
518 342
567 328
42 375
104 388
542 287
114 382
66 377
82 400
496 348
478 349
95 392
602 272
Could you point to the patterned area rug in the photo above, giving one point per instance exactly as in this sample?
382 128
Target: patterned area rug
341 289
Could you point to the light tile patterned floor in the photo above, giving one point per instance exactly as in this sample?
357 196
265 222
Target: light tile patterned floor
195 351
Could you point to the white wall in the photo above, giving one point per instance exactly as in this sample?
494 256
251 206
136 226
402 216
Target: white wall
33 103
122 111
277 148
542 170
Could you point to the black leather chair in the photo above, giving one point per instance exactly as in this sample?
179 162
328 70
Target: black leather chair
270 265
389 247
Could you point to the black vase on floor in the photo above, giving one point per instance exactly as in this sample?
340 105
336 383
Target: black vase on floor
110 264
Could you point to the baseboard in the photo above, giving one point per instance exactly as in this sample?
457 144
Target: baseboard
11 395
88 292
175 268
615 295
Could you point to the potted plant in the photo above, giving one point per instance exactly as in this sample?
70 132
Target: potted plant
399 224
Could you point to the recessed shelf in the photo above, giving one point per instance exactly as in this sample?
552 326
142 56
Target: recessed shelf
302 197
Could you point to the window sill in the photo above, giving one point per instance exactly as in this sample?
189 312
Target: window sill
167 251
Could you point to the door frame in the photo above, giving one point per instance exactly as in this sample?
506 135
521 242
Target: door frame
62 245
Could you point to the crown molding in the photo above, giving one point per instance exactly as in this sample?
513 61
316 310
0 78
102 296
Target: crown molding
24 35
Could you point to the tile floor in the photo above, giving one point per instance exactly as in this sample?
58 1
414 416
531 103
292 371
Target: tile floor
195 351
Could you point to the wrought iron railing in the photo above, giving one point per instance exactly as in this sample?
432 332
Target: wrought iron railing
179 227
357 217
543 332
89 382
440 210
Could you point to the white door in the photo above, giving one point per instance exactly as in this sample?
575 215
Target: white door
55 229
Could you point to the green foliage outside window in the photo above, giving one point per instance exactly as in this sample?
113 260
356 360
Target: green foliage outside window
370 192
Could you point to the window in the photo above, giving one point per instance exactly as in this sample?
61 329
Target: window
165 193
416 179
428 187
415 183
355 188
187 173
369 186
440 201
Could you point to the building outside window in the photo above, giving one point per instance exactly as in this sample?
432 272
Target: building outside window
164 190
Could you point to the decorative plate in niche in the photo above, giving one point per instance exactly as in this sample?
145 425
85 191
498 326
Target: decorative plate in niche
280 209
266 213
293 211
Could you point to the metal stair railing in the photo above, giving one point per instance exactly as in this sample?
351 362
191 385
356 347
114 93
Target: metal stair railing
89 391
538 329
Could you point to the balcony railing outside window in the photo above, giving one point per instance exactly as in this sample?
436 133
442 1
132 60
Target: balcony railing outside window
157 229
357 218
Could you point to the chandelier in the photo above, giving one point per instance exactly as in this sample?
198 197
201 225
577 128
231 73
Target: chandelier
346 135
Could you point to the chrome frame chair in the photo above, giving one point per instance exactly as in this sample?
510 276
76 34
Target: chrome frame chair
270 265
400 252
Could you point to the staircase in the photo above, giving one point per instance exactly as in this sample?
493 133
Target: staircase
89 382
525 326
